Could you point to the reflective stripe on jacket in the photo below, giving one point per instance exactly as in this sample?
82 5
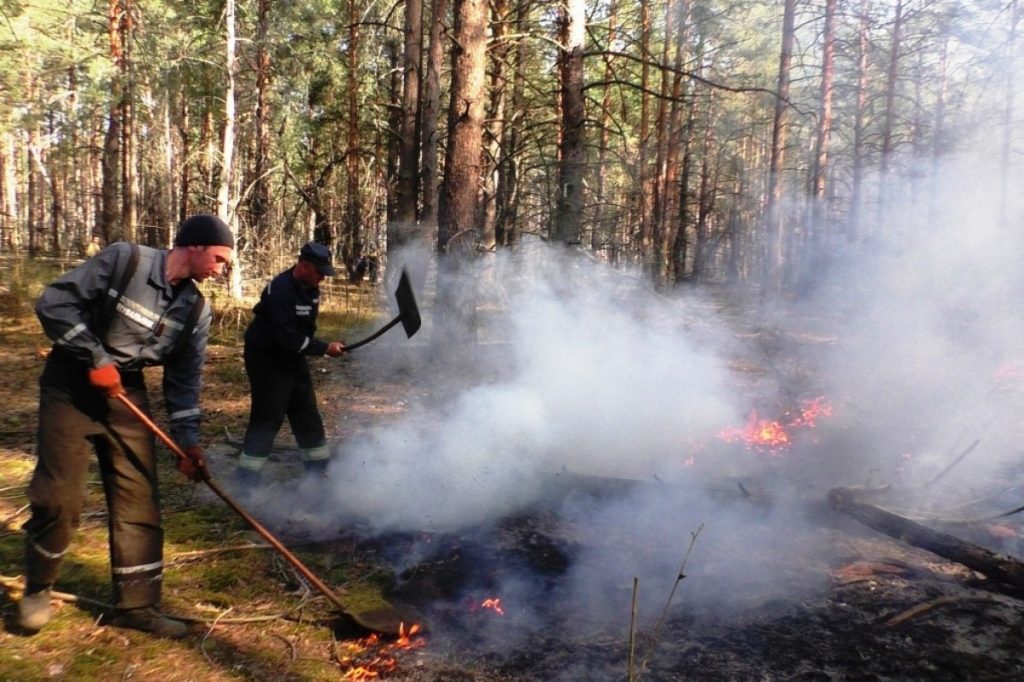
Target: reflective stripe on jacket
285 317
143 331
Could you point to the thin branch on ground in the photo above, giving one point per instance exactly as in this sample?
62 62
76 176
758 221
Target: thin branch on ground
181 557
680 576
915 611
18 585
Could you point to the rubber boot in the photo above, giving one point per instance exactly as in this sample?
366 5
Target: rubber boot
149 619
34 610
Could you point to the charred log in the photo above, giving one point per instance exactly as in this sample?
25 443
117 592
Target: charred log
995 566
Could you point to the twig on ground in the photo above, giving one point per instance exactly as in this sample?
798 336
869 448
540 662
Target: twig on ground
914 612
5 522
291 645
17 585
632 630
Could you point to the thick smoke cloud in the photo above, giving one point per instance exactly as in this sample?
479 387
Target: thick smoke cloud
584 371
589 379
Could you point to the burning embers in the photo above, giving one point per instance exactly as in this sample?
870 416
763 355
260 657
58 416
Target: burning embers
773 436
493 604
372 658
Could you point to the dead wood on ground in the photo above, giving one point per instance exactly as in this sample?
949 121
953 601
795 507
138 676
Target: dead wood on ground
997 567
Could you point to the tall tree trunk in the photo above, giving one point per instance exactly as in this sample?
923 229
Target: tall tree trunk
939 133
817 227
599 237
260 204
1009 127
8 193
507 194
854 232
643 238
353 198
225 200
395 236
184 207
431 110
129 138
170 173
407 190
461 188
459 202
569 211
658 189
774 235
494 151
889 123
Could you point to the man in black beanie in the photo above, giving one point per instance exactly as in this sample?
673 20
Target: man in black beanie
127 308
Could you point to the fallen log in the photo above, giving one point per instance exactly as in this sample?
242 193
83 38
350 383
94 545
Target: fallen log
995 566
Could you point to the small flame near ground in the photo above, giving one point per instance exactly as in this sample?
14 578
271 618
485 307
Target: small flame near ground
492 604
373 658
773 435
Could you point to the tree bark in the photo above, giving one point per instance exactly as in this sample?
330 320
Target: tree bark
260 204
458 210
506 231
225 200
854 231
569 207
408 133
431 109
889 123
817 226
774 235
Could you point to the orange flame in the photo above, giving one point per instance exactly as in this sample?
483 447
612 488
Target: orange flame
369 657
772 435
493 604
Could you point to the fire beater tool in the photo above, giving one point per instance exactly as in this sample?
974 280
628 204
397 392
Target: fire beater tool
408 313
387 620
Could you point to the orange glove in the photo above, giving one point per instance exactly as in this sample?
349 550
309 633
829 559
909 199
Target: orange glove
193 465
107 379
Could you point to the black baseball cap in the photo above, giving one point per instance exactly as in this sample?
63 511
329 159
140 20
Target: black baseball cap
204 230
320 256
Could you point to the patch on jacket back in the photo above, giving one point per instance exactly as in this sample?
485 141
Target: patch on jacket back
303 310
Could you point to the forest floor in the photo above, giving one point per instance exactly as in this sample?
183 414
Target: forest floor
886 611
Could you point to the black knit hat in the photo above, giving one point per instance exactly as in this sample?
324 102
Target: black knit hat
204 230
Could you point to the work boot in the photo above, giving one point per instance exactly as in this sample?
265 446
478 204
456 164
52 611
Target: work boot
34 610
316 469
247 481
149 619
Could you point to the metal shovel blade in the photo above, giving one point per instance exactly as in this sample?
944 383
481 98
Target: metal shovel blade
408 313
407 308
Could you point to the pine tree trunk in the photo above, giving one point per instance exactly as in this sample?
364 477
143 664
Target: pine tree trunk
431 110
460 191
569 210
774 236
407 191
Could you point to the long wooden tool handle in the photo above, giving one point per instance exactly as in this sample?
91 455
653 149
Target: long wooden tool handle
371 337
230 501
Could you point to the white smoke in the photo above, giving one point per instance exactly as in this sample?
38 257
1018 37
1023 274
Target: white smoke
596 381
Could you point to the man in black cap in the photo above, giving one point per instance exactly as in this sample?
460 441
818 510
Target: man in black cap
278 340
127 308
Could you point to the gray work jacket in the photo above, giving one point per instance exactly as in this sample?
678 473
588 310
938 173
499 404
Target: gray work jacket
143 331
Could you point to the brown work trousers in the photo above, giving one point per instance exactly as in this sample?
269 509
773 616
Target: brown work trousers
76 420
